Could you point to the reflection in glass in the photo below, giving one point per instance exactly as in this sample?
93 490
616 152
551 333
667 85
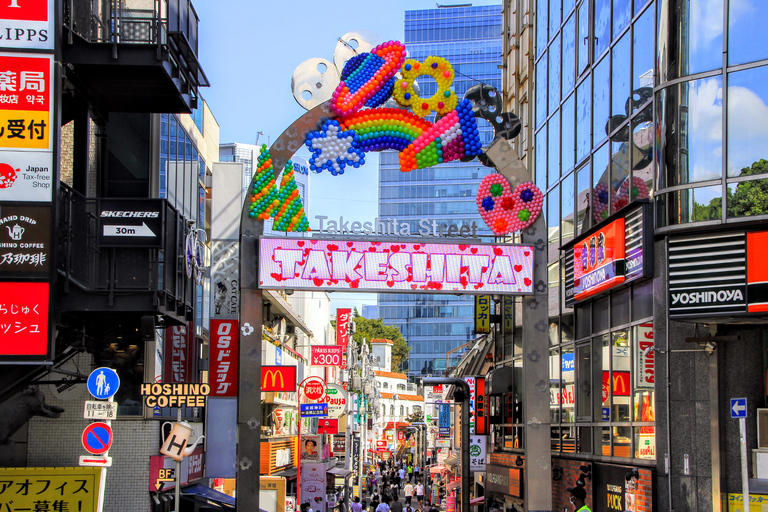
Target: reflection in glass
621 16
553 218
569 55
541 91
620 77
747 121
691 143
568 133
582 40
600 190
566 214
583 114
568 377
554 16
639 4
601 110
584 442
541 22
619 173
695 40
541 159
553 282
642 51
601 359
745 19
602 26
554 150
554 385
695 205
642 156
748 198
567 7
553 84
583 187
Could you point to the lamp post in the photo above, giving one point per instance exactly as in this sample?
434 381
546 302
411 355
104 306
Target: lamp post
461 394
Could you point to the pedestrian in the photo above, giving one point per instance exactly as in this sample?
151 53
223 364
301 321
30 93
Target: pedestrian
416 471
384 505
305 507
408 491
375 501
395 490
357 506
396 506
578 499
410 472
401 474
420 493
408 508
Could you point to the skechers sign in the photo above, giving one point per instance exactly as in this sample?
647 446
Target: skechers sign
395 266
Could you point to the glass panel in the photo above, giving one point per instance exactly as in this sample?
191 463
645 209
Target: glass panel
541 91
583 187
621 16
696 204
554 386
600 193
619 172
622 441
566 319
583 314
569 54
692 145
566 213
601 107
567 7
553 278
584 444
645 443
642 156
748 198
600 315
602 26
583 113
620 308
745 20
553 221
554 16
600 370
568 133
605 440
747 126
621 383
582 41
541 159
639 4
568 379
642 301
553 84
584 378
553 159
696 36
620 77
541 23
642 52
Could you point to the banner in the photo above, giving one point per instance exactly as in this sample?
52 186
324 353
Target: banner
180 357
327 355
313 482
223 361
482 314
342 326
71 489
445 421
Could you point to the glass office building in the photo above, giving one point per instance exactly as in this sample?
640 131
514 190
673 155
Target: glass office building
469 38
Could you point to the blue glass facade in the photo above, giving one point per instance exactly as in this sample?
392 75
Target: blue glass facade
470 39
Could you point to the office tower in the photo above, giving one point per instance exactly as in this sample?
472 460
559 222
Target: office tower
469 38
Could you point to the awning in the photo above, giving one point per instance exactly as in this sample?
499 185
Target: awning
203 494
451 460
289 473
286 310
438 469
340 472
453 485
477 501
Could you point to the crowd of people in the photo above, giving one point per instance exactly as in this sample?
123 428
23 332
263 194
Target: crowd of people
386 485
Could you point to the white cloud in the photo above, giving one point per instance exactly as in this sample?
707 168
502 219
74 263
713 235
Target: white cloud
706 23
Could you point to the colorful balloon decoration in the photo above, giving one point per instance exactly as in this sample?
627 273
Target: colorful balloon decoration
622 197
265 199
442 102
505 211
290 216
385 128
264 193
333 149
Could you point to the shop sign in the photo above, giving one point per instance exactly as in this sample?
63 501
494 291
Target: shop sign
180 355
504 480
223 363
24 319
482 314
310 410
757 272
328 426
472 390
342 326
60 488
278 378
394 267
477 455
313 483
131 223
621 385
225 271
444 422
27 24
327 355
313 389
161 394
645 372
481 416
336 399
311 448
356 452
25 239
26 104
611 487
508 307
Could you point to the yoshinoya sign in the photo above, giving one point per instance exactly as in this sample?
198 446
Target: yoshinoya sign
504 480
25 239
615 252
394 266
131 222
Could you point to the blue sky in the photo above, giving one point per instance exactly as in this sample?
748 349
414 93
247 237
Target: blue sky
249 51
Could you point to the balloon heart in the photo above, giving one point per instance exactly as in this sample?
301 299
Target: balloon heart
505 211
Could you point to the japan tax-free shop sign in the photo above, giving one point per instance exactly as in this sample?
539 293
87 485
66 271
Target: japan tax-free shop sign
376 266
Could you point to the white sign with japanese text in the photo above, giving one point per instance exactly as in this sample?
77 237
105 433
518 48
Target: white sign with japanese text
96 410
27 24
477 452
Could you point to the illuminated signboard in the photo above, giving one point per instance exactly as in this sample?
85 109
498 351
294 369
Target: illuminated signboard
394 266
27 24
327 355
342 326
278 378
223 363
482 314
24 319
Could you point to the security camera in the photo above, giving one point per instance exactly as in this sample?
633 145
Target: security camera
647 351
710 347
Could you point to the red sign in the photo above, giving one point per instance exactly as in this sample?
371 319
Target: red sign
195 464
314 388
327 355
598 261
481 419
621 385
97 438
25 83
437 389
223 362
278 378
342 326
645 371
180 357
757 272
25 10
401 435
23 319
328 426
381 443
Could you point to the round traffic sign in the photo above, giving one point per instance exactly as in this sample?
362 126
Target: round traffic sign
103 383
97 438
314 388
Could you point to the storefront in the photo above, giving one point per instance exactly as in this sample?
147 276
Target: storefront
503 487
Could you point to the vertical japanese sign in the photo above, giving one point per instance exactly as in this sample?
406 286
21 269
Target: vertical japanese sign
471 382
481 413
508 306
445 421
342 326
483 314
223 363
179 354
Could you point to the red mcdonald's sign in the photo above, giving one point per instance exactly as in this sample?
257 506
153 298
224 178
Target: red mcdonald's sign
278 378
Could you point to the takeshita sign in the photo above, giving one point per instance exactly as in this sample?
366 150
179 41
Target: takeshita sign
394 266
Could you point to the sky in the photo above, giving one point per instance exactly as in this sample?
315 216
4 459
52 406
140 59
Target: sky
249 51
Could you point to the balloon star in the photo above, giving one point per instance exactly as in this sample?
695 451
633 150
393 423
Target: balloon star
334 149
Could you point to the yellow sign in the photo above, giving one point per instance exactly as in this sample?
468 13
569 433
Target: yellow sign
50 488
28 129
757 502
482 314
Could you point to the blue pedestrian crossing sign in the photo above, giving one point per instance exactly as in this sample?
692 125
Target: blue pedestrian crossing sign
103 383
738 407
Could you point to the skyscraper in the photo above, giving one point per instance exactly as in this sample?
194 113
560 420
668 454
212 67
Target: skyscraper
470 39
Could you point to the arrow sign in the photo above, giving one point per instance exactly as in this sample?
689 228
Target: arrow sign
738 407
105 462
142 230
164 475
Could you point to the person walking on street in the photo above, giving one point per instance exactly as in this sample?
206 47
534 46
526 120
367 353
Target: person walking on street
420 493
578 499
410 472
408 491
401 474
357 506
396 506
384 505
416 471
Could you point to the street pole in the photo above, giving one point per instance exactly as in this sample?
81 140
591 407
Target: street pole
744 469
177 487
460 395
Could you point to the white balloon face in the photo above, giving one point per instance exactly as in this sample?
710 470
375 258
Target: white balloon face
354 43
314 81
